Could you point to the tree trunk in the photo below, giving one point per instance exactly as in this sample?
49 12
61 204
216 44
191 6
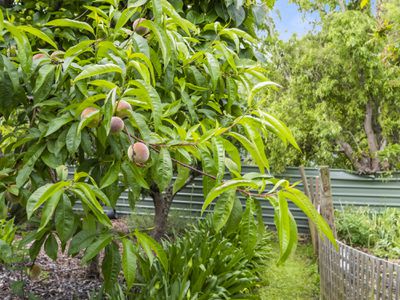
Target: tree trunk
92 270
369 162
162 203
371 138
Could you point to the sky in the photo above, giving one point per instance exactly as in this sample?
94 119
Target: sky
291 21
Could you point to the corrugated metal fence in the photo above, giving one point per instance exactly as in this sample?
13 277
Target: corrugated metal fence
347 189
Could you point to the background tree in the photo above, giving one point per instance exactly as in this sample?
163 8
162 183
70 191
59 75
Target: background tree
340 98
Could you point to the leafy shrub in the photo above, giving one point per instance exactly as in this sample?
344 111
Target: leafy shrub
354 226
377 230
204 265
387 228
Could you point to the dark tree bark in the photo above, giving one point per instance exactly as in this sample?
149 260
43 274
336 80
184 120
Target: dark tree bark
371 138
162 204
367 163
92 270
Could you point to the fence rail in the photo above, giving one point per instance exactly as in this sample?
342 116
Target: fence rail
348 273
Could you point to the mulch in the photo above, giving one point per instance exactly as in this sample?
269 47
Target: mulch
64 279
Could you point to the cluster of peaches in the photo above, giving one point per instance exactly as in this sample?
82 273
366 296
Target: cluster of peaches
137 152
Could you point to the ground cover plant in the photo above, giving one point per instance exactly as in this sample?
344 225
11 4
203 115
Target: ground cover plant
131 93
378 231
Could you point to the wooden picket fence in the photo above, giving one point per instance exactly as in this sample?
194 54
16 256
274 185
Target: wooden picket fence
347 273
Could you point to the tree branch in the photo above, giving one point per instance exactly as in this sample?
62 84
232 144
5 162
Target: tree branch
154 147
348 151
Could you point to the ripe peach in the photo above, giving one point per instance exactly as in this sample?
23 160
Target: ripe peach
138 153
38 56
116 125
87 112
122 109
140 29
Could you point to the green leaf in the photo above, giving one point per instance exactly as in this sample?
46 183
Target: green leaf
223 208
42 194
148 243
286 232
111 265
71 23
235 216
151 95
73 138
81 241
133 174
162 38
44 83
79 48
95 70
89 198
124 17
94 248
302 202
164 169
51 247
278 127
49 208
24 48
128 262
181 178
38 33
252 149
111 175
257 88
34 153
248 228
219 157
228 185
65 219
157 10
213 69
58 122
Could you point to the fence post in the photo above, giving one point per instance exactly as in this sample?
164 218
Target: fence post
326 198
310 196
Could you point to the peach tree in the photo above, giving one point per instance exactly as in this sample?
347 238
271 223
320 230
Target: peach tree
130 94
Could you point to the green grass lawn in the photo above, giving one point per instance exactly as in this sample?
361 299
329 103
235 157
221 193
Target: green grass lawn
298 278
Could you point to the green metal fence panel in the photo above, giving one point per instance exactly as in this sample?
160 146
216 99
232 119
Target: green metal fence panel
347 189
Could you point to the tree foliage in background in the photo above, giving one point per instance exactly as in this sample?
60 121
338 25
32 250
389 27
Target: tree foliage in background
340 97
193 80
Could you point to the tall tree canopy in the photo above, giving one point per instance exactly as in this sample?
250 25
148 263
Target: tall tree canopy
339 96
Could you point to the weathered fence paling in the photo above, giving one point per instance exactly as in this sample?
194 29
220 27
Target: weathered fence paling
352 274
348 273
